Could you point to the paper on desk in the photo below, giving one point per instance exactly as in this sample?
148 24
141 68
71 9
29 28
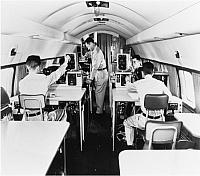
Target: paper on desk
134 96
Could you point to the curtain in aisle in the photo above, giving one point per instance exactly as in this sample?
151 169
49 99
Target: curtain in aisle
104 42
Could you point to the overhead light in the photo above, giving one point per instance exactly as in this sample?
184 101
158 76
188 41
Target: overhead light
97 4
65 41
158 38
101 23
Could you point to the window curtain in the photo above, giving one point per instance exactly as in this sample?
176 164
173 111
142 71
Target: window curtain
196 80
20 74
173 81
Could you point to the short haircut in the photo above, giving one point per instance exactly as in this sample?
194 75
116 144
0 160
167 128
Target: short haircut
33 61
148 68
88 40
137 57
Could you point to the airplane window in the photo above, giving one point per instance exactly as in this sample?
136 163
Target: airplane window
187 88
6 80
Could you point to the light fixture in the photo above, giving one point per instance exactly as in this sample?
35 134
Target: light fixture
100 19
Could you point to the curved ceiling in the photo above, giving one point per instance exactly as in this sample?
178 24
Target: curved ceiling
126 18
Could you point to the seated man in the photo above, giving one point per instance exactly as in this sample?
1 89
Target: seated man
35 83
148 85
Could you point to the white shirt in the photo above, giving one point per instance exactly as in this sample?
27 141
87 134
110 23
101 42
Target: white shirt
38 83
98 61
148 85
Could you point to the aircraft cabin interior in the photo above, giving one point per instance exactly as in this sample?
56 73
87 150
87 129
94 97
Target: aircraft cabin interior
100 87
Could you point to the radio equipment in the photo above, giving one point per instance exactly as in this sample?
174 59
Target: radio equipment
175 105
74 78
123 62
121 78
72 64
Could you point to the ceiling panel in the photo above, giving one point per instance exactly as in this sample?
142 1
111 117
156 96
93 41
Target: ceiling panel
74 17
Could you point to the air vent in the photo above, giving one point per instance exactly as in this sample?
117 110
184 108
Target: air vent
97 4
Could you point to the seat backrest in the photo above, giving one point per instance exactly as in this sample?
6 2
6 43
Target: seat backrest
156 101
32 102
163 135
151 125
4 98
5 102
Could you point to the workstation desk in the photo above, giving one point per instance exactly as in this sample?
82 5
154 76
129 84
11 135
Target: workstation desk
28 147
66 94
61 93
120 95
159 162
191 122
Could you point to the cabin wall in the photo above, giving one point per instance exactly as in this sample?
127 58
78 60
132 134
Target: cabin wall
26 46
177 87
164 51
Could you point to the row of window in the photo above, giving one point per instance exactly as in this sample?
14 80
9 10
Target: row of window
186 80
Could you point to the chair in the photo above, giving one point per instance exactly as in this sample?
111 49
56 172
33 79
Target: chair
159 132
32 104
156 102
6 110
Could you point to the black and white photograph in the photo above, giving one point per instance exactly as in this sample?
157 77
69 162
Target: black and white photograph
106 87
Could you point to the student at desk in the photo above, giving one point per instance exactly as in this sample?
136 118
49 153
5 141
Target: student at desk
35 83
148 85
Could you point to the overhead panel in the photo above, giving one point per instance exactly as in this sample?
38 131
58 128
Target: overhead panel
113 27
129 15
100 28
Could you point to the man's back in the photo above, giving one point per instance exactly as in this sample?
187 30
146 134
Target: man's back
34 84
150 85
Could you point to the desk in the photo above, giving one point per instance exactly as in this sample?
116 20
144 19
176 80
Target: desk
29 147
191 122
69 94
159 162
120 95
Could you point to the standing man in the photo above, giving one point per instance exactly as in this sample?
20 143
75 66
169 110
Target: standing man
148 85
99 74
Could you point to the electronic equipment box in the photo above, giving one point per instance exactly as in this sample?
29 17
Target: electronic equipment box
121 78
123 62
175 105
74 78
72 64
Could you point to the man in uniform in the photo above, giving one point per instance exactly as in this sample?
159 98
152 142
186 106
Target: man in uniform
99 74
